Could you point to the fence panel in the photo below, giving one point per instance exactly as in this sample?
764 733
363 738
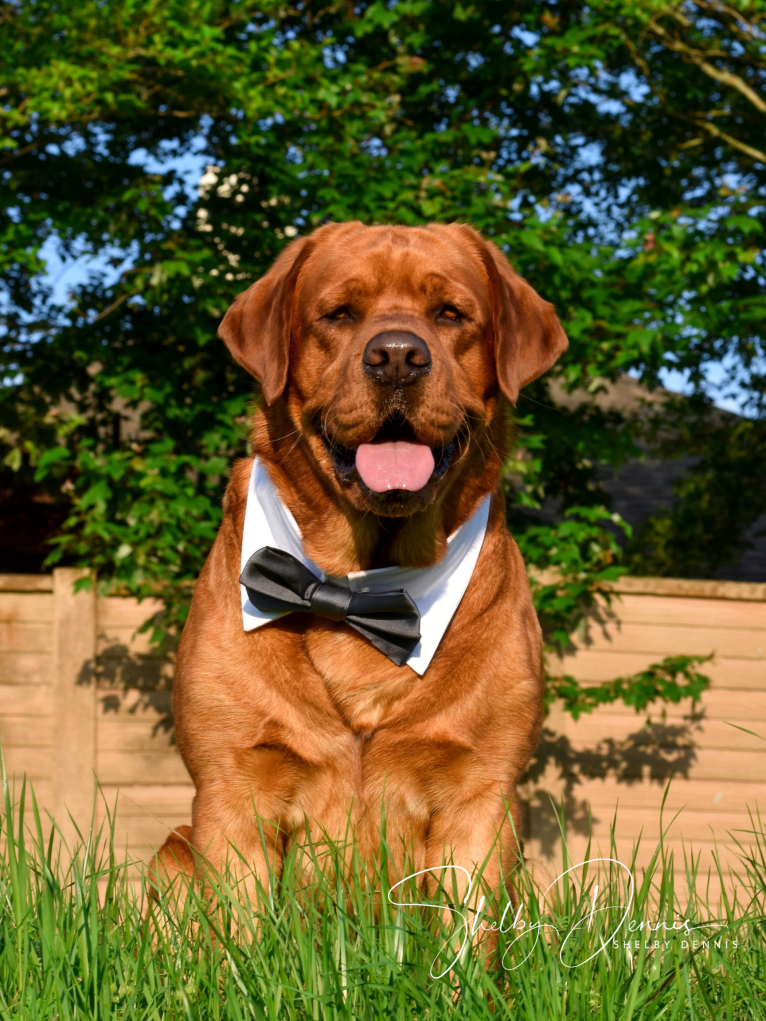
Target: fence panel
616 760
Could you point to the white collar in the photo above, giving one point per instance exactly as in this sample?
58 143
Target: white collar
436 591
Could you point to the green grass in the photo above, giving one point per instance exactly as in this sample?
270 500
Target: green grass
76 942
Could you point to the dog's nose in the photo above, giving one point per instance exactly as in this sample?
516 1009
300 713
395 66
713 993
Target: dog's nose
396 357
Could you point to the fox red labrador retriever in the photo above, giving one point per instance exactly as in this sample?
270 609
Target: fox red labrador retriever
386 357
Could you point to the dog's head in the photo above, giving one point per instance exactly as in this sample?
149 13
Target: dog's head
391 349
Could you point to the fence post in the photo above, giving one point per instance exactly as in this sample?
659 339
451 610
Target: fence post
74 701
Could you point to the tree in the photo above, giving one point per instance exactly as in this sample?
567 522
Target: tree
612 148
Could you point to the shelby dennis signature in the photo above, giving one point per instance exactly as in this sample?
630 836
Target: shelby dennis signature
468 920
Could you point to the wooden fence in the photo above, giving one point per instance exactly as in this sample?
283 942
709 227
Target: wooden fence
82 697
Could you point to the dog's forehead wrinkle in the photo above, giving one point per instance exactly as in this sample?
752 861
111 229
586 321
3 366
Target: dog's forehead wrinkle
385 286
337 292
388 258
398 236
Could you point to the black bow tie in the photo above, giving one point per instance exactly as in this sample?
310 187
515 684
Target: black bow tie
277 582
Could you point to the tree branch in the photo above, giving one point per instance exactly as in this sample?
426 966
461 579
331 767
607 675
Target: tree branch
697 58
757 154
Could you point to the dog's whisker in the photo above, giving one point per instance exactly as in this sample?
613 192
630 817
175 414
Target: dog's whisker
281 439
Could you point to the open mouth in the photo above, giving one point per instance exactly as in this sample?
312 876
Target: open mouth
394 460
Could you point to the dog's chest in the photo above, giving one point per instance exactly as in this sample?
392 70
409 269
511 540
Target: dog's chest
363 684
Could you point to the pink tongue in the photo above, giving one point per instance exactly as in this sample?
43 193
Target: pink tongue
395 465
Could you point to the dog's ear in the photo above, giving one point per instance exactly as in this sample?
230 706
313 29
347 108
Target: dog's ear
528 336
257 327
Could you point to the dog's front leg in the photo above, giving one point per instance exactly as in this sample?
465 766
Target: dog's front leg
480 838
230 853
240 819
236 847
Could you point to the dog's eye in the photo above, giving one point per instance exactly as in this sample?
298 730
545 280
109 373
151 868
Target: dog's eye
337 314
450 312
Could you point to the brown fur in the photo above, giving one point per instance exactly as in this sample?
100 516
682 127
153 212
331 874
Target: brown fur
302 719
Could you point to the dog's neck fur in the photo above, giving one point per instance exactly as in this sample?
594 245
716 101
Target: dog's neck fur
341 539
